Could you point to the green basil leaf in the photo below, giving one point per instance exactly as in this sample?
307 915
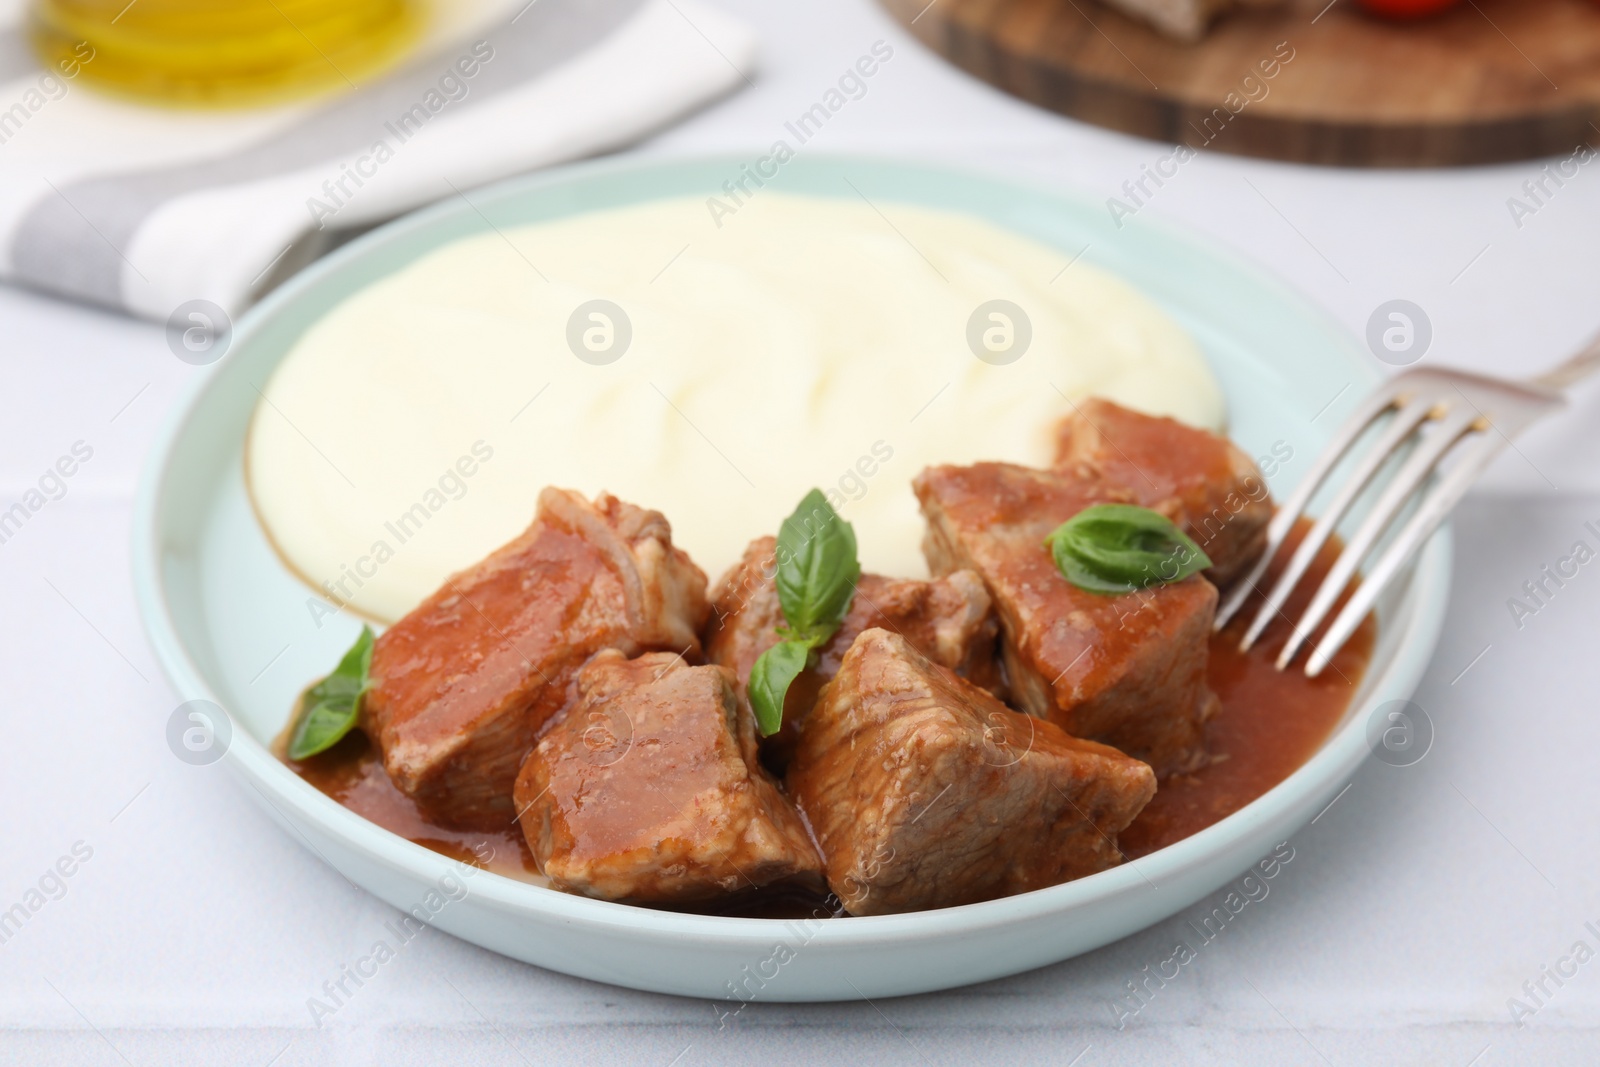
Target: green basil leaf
817 571
1119 548
774 671
817 566
329 709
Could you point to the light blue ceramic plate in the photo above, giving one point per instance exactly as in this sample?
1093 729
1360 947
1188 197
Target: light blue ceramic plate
220 607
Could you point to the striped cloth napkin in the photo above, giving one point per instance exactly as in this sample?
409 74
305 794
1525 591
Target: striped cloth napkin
145 209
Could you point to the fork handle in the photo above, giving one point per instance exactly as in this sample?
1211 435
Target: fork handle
1574 370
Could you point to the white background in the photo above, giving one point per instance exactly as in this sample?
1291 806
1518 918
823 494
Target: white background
1414 908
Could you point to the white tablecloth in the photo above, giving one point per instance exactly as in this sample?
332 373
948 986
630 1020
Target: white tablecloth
1416 907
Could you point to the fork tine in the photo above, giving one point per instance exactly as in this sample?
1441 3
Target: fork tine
1283 519
1436 505
1414 472
1400 427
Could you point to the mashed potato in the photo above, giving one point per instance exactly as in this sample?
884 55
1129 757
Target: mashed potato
713 372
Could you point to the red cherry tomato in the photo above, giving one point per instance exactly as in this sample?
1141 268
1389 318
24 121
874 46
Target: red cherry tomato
1406 9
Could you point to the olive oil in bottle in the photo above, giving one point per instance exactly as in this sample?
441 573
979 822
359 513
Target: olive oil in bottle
223 53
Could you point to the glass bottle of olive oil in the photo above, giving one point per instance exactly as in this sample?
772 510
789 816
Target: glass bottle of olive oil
223 53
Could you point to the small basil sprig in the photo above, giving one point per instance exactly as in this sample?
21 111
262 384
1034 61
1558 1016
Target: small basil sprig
1119 548
817 574
329 709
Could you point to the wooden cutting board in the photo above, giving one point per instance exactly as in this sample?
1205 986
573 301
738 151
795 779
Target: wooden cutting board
1489 81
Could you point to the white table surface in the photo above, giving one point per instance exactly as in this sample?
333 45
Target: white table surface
1415 907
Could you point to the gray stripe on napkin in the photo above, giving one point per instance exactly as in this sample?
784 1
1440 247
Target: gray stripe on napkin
73 241
16 55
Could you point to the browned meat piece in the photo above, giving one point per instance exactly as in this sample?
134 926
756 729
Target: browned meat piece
948 620
1202 481
926 792
1126 670
463 684
649 789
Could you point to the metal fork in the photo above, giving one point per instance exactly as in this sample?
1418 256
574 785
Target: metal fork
1434 412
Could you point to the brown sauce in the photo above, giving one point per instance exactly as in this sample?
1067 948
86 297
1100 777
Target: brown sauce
352 773
1269 724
